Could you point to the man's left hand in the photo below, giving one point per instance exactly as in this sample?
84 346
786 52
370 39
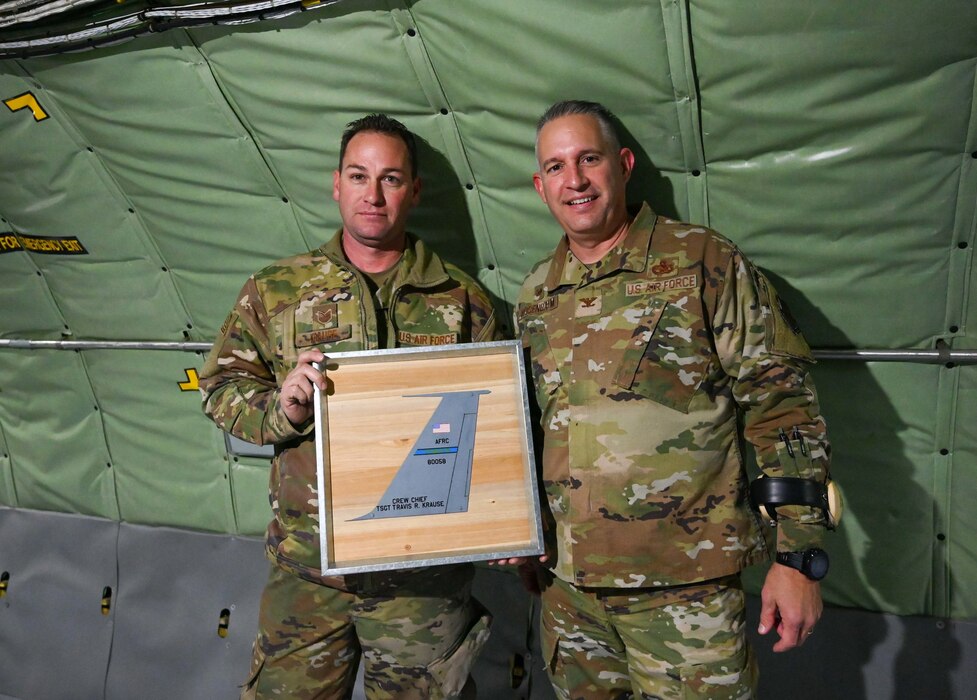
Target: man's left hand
527 570
791 605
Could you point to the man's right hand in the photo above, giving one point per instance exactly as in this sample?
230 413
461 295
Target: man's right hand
297 391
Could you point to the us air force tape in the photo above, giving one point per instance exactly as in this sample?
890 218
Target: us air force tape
771 492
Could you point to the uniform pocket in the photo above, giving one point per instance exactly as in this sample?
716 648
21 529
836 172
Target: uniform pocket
646 322
723 667
431 318
322 319
451 671
316 320
549 647
667 359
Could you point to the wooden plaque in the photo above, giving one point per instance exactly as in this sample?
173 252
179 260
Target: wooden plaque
425 457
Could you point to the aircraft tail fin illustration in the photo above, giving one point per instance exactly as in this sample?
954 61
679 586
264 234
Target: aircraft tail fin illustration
435 477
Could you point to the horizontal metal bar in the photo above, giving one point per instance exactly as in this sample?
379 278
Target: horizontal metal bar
939 356
963 357
103 345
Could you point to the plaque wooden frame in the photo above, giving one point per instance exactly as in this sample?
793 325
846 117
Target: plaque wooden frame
380 471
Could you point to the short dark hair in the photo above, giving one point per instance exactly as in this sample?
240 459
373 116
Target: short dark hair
381 124
567 108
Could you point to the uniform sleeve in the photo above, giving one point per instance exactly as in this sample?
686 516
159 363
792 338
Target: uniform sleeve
762 349
238 382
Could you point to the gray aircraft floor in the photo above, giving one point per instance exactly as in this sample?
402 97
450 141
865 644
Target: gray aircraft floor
99 609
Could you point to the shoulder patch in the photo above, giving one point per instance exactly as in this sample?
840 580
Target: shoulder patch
783 333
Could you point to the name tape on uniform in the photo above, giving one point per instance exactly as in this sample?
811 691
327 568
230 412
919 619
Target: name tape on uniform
672 284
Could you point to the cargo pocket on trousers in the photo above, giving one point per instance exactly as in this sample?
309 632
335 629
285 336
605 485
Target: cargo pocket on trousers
451 671
724 667
733 678
549 647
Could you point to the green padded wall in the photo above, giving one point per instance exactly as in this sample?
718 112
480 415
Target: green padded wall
836 142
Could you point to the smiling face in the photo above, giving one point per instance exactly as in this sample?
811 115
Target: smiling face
582 177
375 190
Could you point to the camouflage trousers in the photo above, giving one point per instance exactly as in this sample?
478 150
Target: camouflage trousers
418 633
656 644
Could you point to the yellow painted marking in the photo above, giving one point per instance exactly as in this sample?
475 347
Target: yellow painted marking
193 381
224 623
27 101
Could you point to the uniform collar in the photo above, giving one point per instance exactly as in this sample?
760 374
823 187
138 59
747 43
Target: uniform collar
418 266
630 254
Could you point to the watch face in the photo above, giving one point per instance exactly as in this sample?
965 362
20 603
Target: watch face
816 564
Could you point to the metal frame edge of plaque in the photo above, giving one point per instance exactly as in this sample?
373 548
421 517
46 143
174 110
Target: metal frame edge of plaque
513 348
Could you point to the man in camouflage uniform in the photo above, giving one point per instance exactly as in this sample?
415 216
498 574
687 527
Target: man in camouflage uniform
372 286
648 339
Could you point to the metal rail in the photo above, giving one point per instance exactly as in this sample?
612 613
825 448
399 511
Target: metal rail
184 346
937 356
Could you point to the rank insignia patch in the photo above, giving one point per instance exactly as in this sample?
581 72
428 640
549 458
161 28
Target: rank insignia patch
325 316
588 306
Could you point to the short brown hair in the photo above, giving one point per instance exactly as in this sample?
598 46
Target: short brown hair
381 124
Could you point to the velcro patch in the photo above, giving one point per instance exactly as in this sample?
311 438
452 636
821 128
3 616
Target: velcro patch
783 334
325 316
588 306
672 284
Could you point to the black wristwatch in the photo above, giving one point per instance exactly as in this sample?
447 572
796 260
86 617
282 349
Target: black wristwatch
813 563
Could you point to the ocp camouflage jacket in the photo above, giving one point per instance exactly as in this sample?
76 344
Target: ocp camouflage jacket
319 300
643 364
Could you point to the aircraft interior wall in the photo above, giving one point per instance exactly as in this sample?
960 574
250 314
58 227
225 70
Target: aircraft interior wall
143 181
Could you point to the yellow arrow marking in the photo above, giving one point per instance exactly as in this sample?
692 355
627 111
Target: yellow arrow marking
27 101
193 381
